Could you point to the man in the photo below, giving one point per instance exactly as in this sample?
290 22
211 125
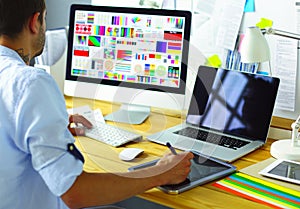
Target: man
39 165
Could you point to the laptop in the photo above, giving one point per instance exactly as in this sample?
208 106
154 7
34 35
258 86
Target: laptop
229 114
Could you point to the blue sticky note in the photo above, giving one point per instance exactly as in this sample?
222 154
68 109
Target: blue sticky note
249 6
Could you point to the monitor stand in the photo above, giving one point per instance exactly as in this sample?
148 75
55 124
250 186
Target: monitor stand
132 114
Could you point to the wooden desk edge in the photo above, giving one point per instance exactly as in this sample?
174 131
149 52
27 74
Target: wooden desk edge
282 123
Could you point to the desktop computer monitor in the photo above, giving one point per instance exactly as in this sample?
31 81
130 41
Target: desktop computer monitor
133 56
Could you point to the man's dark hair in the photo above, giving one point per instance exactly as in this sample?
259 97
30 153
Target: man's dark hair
14 14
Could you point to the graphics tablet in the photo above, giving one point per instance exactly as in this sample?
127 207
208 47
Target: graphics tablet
285 170
203 170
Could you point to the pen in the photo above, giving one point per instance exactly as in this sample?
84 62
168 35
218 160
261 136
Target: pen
171 148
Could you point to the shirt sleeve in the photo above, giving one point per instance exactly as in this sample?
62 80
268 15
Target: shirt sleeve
43 133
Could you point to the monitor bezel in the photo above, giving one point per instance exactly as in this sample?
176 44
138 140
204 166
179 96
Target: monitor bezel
163 12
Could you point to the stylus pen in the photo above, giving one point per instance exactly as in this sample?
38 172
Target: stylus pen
171 148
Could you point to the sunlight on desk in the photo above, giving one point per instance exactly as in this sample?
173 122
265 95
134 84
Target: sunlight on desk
100 157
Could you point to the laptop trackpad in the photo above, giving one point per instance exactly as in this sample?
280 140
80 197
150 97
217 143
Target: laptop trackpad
185 143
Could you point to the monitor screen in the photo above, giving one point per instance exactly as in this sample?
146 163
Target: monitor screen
132 48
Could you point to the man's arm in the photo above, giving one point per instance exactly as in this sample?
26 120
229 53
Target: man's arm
94 189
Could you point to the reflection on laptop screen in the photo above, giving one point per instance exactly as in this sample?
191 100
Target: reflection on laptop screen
233 102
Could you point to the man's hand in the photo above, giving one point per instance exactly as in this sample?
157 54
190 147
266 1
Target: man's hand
78 119
175 168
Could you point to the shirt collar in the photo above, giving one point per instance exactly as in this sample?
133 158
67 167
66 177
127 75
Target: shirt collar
5 51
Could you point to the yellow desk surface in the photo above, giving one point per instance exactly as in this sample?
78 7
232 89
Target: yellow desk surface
103 158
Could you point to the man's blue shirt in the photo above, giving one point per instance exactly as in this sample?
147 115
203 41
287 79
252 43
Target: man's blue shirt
35 166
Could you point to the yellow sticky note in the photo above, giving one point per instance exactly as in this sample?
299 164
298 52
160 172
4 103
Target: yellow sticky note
264 23
214 61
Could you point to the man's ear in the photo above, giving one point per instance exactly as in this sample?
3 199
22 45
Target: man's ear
34 23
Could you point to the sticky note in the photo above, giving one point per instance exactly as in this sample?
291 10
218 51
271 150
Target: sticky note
264 23
214 61
249 6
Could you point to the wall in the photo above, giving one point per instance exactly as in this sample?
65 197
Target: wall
281 12
58 12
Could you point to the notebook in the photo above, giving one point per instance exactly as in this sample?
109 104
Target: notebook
229 114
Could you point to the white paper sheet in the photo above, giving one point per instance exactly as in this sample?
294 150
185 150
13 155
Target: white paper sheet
216 25
229 23
284 66
94 116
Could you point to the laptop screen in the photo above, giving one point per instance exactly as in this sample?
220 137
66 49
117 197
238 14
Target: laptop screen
233 102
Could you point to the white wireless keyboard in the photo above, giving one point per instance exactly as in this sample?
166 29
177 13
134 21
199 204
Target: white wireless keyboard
111 135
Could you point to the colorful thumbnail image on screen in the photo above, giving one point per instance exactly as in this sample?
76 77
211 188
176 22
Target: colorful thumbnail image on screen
138 48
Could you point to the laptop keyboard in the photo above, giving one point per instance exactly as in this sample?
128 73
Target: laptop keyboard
213 138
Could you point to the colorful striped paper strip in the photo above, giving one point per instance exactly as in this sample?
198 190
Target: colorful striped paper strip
260 191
